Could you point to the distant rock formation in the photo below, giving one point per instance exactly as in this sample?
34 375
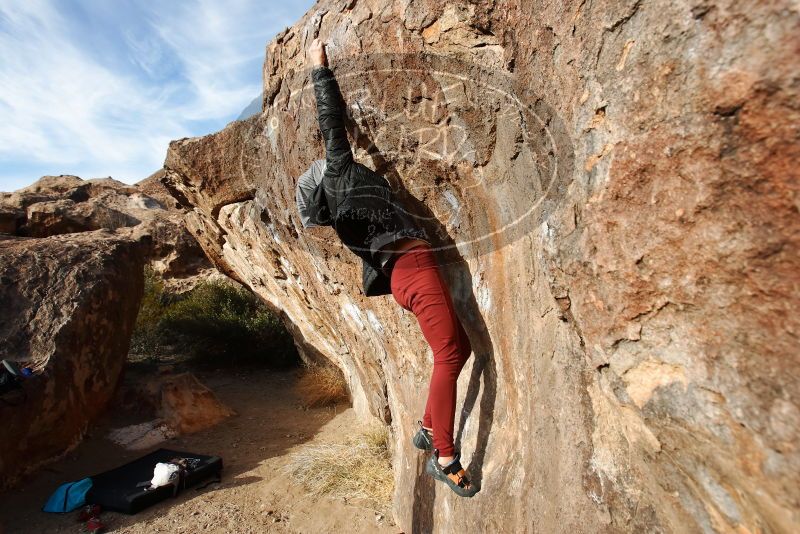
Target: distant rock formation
69 303
252 109
67 204
613 190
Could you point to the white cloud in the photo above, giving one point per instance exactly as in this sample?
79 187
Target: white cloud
215 41
67 108
64 108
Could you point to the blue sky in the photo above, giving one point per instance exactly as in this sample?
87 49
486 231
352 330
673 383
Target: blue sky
99 87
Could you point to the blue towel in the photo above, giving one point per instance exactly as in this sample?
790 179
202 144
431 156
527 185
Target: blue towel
68 497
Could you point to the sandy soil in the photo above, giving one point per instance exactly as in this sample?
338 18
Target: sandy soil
253 497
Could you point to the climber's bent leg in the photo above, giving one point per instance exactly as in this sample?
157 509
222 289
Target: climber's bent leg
465 349
418 286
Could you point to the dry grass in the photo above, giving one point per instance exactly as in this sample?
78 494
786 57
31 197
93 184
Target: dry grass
359 468
322 385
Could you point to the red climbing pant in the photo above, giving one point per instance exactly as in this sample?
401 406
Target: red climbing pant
418 287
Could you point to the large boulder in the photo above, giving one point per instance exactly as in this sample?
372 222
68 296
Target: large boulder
613 189
71 286
69 303
65 204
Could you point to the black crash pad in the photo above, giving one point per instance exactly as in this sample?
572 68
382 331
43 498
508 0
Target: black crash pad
120 489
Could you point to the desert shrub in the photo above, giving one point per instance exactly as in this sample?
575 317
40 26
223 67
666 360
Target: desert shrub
147 337
359 468
218 319
214 322
322 385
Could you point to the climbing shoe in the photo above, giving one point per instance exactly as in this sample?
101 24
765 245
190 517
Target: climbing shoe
423 439
451 474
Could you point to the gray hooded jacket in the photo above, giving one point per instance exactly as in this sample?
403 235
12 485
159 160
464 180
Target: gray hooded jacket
342 193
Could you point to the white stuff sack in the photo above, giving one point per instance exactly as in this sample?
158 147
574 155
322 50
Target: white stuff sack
164 474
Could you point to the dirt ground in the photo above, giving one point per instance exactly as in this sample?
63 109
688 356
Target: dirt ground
254 496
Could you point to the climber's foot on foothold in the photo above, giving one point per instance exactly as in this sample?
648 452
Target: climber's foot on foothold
423 439
451 474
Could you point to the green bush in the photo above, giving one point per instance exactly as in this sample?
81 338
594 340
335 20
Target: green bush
215 321
147 337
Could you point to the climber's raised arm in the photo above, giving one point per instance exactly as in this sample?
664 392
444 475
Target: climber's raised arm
330 111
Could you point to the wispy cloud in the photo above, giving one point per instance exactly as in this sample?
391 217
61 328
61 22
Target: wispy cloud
100 88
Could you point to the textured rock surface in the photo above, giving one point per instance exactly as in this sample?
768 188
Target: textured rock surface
635 338
189 406
69 304
180 403
67 204
70 295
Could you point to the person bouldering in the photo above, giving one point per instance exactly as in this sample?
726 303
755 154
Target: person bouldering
397 258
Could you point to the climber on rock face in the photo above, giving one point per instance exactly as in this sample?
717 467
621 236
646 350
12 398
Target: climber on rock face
396 258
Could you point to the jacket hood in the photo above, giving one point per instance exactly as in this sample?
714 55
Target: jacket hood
306 185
